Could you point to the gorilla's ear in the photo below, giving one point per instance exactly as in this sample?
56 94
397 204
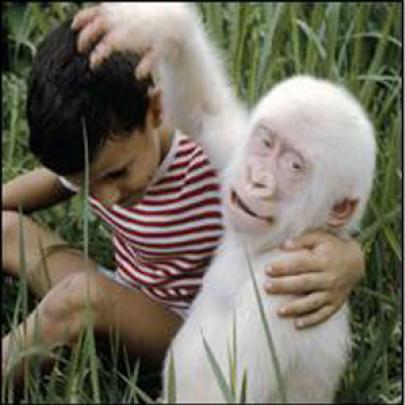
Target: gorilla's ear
342 212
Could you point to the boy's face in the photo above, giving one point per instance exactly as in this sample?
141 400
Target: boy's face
125 166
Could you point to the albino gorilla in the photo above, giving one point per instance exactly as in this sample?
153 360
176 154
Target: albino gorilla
303 159
308 163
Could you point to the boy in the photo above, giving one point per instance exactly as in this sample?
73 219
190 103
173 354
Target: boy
156 189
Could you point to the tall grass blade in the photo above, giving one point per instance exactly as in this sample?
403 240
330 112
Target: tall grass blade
369 86
233 358
331 37
243 388
296 47
317 45
143 396
360 20
392 98
131 397
171 388
272 13
221 380
76 371
389 233
382 221
13 131
44 262
91 344
24 291
269 338
365 372
85 191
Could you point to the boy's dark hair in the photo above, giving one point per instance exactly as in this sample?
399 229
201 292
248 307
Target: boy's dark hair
63 94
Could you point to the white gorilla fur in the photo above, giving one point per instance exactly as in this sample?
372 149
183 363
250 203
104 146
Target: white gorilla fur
322 119
329 124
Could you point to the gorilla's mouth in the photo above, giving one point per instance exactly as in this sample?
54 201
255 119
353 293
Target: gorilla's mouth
239 202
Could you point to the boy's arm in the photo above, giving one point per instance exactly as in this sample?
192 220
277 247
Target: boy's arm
197 97
37 189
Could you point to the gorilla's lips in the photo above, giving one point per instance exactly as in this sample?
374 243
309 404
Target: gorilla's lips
235 198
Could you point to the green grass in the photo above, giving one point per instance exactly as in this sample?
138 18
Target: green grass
357 44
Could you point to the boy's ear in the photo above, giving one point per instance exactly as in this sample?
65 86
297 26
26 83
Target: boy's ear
342 212
155 105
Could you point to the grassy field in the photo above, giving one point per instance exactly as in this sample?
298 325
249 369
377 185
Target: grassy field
358 44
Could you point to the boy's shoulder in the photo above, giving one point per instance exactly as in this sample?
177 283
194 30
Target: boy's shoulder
186 165
188 150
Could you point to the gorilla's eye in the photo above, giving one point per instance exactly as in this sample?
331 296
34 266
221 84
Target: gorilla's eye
266 136
267 143
296 166
293 162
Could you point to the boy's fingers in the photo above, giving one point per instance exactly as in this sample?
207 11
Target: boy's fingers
306 241
298 284
315 318
90 34
304 305
303 261
84 16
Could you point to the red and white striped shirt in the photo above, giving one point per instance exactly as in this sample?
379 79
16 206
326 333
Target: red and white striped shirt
164 243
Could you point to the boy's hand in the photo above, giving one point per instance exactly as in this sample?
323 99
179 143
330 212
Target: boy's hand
150 29
323 269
